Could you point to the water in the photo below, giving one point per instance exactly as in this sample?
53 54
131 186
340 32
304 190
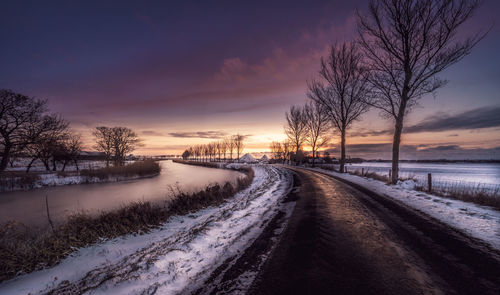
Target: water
28 207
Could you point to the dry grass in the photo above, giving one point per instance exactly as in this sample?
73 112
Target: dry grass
468 192
18 179
371 175
23 250
139 168
196 163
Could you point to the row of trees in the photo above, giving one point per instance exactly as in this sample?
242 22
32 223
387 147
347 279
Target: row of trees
401 47
217 150
308 124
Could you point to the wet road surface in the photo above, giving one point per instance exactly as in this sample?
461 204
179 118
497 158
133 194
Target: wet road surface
342 239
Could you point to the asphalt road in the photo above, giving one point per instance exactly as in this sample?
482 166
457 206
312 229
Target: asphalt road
346 240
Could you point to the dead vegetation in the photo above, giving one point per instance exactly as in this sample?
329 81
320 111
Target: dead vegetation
23 249
196 163
139 168
473 193
16 179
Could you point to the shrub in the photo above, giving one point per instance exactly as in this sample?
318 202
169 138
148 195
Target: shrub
139 168
13 180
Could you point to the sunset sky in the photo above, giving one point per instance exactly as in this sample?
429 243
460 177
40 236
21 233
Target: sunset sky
195 71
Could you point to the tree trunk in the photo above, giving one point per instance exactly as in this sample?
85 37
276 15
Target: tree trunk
314 154
5 157
342 150
398 129
46 164
30 164
54 167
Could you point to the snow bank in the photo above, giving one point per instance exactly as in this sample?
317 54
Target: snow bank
478 221
174 258
247 158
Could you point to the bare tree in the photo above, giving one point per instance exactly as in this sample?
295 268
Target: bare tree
218 149
125 141
223 148
104 142
116 143
71 148
276 150
296 129
406 44
46 141
345 94
22 120
285 145
197 152
317 125
230 147
238 144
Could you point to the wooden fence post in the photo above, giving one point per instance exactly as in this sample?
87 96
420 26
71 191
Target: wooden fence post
429 182
390 175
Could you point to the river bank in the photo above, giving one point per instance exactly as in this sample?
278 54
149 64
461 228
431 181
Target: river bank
21 181
23 249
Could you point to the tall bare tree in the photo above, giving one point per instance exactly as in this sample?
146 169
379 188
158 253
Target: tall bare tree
223 148
317 125
238 144
230 146
296 128
406 44
345 94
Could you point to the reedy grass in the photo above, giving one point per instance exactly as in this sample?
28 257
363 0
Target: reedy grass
24 249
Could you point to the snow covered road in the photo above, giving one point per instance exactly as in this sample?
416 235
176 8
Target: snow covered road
176 258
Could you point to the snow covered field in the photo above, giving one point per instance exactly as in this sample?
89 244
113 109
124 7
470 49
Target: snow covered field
480 222
175 258
478 176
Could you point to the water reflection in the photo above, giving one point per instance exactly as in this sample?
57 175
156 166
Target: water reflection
29 206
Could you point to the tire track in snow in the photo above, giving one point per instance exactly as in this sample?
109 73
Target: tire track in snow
183 260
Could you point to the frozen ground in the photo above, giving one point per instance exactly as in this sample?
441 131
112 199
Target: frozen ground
480 222
175 258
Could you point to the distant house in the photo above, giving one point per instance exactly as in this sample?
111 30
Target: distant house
264 159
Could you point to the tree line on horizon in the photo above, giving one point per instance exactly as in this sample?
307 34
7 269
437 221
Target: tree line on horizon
217 150
28 130
400 48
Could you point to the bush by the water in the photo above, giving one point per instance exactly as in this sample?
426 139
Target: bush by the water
23 250
139 168
197 163
16 179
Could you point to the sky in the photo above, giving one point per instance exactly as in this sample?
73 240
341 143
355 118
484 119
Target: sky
188 72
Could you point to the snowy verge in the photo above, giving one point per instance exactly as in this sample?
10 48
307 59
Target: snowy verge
478 221
177 257
52 179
